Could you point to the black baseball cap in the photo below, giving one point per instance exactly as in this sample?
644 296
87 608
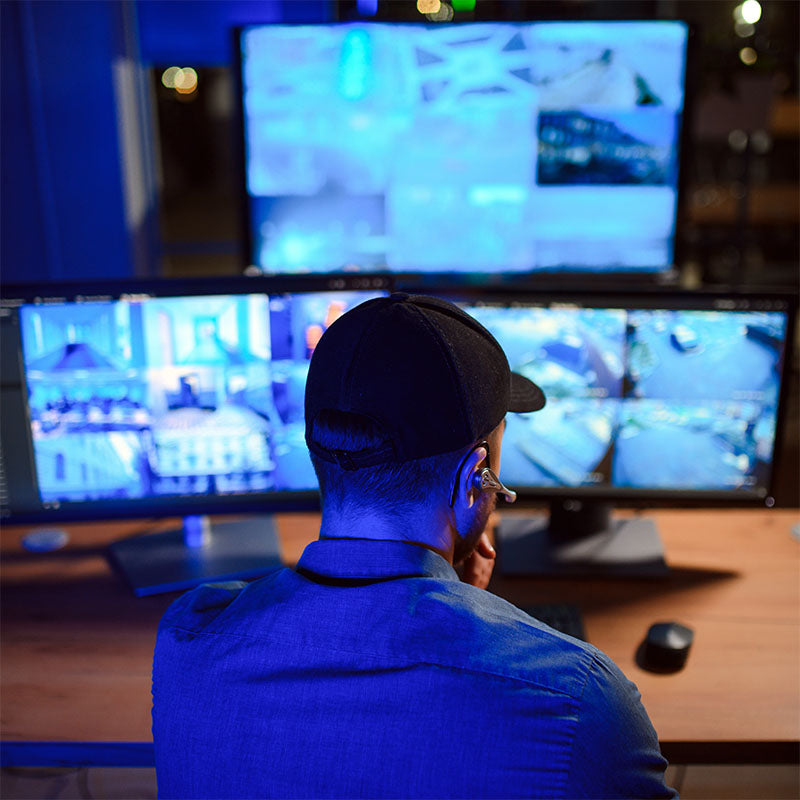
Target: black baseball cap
425 374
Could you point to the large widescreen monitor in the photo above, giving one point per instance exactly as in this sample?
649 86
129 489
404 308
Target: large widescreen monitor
186 398
495 148
161 399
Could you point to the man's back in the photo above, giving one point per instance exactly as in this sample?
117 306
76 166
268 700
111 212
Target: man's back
373 672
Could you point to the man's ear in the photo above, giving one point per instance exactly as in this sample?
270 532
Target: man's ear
466 491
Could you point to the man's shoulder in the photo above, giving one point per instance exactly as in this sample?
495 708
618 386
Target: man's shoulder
487 634
447 624
198 608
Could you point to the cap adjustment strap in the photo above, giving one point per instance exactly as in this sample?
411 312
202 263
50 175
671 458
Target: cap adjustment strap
344 459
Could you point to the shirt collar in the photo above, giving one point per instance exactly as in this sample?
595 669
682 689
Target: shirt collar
372 559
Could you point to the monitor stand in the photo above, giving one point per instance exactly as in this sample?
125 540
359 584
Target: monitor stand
200 552
580 539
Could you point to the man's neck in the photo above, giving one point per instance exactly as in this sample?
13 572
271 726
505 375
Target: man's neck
427 528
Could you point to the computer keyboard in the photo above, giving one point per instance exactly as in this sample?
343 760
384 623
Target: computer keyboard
563 617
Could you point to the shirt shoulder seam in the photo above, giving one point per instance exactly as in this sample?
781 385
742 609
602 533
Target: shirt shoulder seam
583 670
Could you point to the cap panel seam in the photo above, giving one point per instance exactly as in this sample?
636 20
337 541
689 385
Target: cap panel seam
348 382
467 320
472 324
447 353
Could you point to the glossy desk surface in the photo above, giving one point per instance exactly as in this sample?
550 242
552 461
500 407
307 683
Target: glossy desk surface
77 645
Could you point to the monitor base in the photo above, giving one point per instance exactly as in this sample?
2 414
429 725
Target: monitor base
181 559
622 548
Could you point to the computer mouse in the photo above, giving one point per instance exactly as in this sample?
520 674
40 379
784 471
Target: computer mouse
666 647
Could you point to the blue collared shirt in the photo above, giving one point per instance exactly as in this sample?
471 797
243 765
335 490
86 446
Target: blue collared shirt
372 671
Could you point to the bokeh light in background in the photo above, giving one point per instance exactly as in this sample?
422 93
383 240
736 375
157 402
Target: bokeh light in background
745 16
428 6
444 14
183 80
186 81
748 56
748 12
434 10
168 78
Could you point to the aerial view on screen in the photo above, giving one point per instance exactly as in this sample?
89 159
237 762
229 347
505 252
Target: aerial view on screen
172 395
649 399
491 147
701 399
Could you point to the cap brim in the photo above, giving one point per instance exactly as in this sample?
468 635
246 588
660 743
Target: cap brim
525 394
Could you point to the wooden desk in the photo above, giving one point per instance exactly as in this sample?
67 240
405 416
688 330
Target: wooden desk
77 646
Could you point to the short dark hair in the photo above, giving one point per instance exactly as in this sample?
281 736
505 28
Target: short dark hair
391 487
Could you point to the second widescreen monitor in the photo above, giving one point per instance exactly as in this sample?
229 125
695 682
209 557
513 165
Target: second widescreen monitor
469 148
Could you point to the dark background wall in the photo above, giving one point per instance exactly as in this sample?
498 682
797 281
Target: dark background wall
80 172
63 211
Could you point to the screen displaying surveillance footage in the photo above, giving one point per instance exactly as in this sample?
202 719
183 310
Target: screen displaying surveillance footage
467 148
141 398
648 399
172 396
